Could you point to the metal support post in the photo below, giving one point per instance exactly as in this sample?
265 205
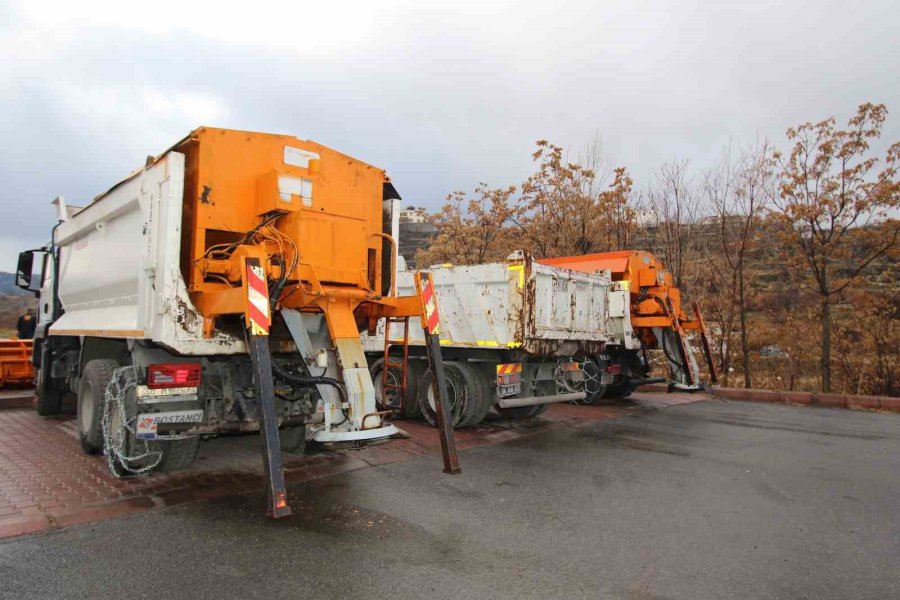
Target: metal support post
431 325
258 321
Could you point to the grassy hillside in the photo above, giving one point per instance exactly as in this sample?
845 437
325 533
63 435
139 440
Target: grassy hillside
8 284
11 307
13 302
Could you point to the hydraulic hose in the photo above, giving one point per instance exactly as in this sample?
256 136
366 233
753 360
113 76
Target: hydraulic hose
307 380
672 360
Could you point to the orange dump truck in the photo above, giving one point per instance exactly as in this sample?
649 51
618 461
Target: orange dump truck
220 288
657 317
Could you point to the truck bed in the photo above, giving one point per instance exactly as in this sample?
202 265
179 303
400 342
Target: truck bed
119 272
520 304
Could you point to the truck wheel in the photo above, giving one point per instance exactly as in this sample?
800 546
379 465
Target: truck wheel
49 396
176 454
293 439
142 456
414 370
623 389
521 412
592 385
460 392
484 378
91 393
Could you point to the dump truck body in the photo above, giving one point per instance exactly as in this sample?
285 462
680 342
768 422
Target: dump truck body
202 292
527 329
657 314
524 305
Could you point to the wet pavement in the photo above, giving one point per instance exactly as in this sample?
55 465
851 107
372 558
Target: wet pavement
47 482
703 500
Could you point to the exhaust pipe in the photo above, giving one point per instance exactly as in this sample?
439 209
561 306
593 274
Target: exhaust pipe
535 400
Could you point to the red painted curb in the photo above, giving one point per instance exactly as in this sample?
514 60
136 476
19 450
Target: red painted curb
864 402
892 404
24 526
811 399
830 400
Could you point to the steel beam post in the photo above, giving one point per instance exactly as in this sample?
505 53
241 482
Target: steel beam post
258 320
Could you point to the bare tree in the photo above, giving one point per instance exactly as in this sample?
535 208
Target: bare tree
676 205
738 189
828 193
566 208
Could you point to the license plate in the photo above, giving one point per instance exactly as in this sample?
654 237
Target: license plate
147 424
509 390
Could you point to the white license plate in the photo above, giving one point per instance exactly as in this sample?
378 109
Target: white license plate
147 424
509 390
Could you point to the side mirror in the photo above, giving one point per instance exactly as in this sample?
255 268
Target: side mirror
23 270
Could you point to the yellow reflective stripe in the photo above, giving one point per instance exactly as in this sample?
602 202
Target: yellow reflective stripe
487 343
446 342
521 270
513 344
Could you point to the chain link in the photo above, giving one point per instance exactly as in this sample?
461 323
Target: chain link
576 386
120 463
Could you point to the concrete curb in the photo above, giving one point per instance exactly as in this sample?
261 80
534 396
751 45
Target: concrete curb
882 403
17 399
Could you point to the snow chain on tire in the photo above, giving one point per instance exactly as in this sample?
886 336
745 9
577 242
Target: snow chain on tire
120 463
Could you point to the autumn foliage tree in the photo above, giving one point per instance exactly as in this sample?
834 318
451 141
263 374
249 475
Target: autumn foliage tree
563 209
559 213
472 230
829 193
618 217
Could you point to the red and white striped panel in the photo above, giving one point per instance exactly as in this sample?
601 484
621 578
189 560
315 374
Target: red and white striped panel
432 319
257 300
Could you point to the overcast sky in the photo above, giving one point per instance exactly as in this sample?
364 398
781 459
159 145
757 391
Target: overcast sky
440 97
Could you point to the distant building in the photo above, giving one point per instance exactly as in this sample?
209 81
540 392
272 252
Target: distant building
411 214
646 218
415 232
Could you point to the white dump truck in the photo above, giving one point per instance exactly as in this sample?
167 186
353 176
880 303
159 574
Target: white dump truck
515 336
220 288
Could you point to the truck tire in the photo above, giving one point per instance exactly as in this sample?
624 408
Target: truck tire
177 454
415 368
293 439
461 391
49 396
592 386
619 390
173 455
91 392
484 374
520 412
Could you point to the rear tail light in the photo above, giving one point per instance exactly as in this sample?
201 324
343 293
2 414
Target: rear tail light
614 369
173 375
509 373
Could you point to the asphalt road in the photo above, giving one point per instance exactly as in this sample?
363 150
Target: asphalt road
706 500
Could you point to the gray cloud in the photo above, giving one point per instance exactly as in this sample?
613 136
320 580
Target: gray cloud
440 99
